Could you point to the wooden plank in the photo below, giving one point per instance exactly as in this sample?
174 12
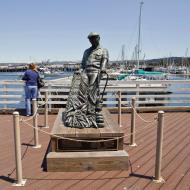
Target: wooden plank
108 130
58 121
87 161
173 144
172 162
178 175
147 157
53 142
81 133
142 158
87 132
185 182
117 131
60 129
93 133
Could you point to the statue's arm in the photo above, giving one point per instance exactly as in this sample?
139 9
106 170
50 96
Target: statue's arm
105 60
83 60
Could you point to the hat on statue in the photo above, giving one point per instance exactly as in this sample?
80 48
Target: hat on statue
93 34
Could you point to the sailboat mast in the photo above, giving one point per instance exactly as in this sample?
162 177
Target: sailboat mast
139 35
123 55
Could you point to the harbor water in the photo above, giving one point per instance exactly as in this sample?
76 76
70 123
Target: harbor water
14 76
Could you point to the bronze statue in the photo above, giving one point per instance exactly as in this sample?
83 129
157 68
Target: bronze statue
84 103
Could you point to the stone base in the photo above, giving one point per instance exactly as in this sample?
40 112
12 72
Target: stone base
95 151
87 161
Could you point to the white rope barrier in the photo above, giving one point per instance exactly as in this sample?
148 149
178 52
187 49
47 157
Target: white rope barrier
146 121
80 140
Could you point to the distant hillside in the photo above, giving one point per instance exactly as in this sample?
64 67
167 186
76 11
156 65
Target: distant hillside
159 61
169 61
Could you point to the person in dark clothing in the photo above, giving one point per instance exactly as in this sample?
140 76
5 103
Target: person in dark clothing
31 90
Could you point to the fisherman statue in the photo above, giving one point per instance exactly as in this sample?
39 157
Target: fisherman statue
84 104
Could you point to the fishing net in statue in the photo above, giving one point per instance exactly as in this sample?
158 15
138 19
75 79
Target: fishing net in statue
80 108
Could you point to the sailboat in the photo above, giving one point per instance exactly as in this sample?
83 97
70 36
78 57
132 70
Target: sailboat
140 74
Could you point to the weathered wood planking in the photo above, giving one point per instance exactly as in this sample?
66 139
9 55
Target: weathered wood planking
87 161
111 128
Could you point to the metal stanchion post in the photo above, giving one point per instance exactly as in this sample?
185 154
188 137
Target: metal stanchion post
119 108
132 140
49 91
35 124
158 162
46 111
20 181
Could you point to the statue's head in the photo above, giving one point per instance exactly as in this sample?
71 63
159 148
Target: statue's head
94 38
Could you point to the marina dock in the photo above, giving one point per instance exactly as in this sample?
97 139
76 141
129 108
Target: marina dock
156 95
175 167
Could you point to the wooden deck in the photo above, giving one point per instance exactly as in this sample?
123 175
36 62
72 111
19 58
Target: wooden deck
175 165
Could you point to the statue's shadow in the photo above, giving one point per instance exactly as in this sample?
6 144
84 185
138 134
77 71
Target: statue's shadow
44 161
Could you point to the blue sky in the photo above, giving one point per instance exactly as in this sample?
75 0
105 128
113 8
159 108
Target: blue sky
36 30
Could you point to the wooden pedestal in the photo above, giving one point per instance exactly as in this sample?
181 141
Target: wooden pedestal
69 155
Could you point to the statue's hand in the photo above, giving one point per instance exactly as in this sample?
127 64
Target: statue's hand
78 71
103 71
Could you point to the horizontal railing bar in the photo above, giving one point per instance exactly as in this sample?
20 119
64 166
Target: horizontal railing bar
11 102
151 81
127 102
17 82
55 96
149 96
181 89
114 82
11 90
113 89
55 90
11 96
110 96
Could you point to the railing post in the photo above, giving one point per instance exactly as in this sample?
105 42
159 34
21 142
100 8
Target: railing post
46 110
119 108
132 140
19 180
137 92
35 124
158 161
49 90
5 93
